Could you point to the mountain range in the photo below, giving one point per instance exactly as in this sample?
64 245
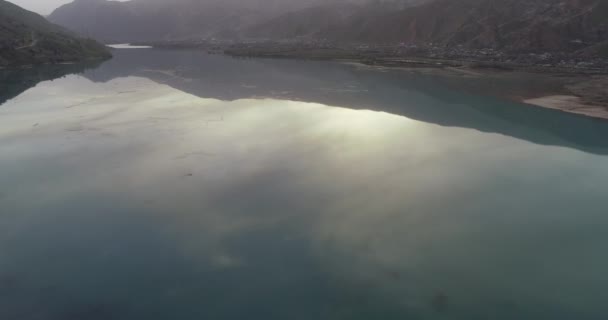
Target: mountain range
510 25
27 38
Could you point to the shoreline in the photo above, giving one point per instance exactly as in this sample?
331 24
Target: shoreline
85 61
407 61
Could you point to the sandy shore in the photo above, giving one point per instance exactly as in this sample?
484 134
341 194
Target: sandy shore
584 95
572 104
580 94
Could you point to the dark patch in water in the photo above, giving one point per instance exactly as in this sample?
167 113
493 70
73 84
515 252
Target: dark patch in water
49 290
509 305
440 302
395 275
98 311
8 284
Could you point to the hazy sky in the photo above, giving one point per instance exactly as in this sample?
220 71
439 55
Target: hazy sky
41 6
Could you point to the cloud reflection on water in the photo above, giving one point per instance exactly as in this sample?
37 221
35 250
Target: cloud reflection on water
290 208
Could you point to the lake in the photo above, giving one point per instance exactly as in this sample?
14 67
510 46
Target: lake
169 184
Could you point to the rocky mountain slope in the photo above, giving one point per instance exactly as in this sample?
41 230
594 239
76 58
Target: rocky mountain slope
510 25
146 20
520 25
27 38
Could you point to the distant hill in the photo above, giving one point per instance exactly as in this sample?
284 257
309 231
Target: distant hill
512 25
27 38
148 20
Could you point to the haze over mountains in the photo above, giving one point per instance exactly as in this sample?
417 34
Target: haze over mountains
139 20
513 25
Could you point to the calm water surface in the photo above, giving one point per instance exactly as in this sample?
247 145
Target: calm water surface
176 185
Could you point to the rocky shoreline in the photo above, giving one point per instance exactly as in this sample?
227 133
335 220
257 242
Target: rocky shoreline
399 55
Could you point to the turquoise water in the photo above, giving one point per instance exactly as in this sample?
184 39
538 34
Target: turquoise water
177 185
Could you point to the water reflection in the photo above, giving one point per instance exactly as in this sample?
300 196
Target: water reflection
15 81
448 101
129 199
